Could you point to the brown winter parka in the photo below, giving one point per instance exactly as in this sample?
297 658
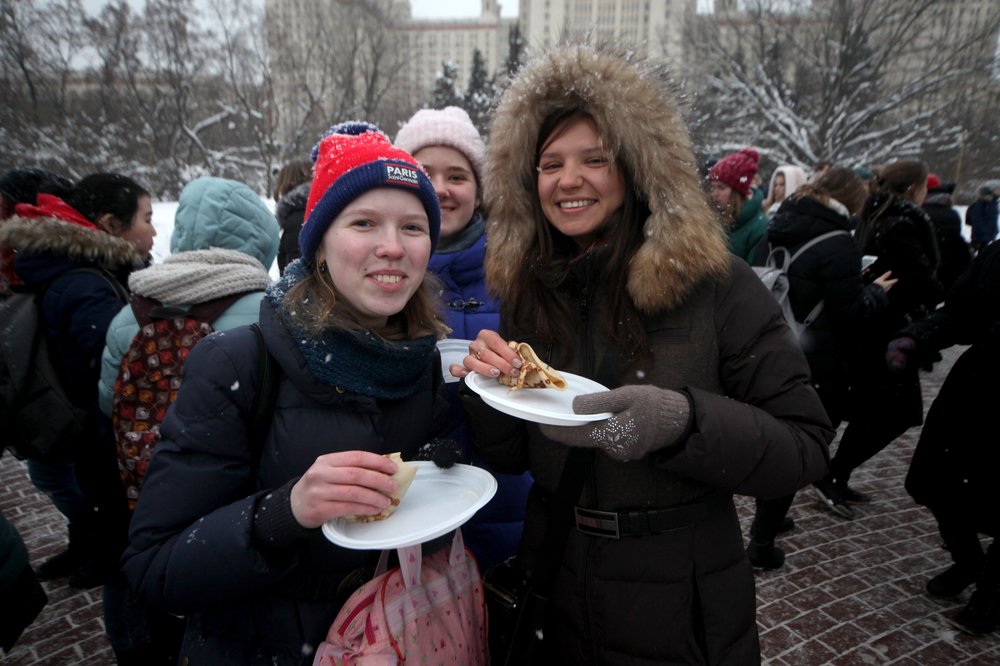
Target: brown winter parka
683 596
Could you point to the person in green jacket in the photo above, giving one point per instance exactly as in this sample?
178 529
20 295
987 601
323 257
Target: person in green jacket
733 194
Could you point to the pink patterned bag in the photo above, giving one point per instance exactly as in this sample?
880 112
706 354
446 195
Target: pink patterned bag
428 611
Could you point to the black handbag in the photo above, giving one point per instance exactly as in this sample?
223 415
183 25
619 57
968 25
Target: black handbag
514 614
516 599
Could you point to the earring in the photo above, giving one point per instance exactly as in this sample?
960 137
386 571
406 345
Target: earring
322 267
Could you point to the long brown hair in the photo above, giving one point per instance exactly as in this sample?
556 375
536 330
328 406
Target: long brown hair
840 184
892 184
292 175
318 307
541 304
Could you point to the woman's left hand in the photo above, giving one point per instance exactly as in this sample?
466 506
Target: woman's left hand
645 418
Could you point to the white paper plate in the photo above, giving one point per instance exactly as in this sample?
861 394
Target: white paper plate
453 352
538 405
438 501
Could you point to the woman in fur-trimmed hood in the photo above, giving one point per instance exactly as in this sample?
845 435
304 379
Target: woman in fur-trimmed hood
608 261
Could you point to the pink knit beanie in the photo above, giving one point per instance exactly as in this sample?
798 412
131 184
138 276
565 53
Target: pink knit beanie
737 170
450 126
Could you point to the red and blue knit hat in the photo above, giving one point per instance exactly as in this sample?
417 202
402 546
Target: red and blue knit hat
351 159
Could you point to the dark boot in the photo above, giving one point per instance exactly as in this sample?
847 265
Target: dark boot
962 543
102 550
68 561
953 582
765 555
60 565
829 493
981 616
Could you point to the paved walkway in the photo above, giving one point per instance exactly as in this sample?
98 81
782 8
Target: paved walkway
850 593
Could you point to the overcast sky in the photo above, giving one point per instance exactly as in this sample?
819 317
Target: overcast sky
421 8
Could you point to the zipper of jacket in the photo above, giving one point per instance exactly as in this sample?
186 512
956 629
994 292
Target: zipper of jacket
585 349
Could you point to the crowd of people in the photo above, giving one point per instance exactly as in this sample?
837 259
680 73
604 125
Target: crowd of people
584 229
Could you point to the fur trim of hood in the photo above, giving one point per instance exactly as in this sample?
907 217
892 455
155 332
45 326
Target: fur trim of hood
630 98
73 241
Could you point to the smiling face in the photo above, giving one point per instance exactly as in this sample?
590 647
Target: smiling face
141 231
376 252
455 183
579 186
778 191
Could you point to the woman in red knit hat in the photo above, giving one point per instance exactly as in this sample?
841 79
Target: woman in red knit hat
733 194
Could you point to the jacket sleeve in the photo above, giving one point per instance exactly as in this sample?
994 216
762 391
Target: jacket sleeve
191 538
768 434
120 333
501 440
847 299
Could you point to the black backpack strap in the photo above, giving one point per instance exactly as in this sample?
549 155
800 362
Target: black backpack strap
142 308
120 291
268 379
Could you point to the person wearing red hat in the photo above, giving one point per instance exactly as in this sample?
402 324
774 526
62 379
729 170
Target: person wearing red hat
955 253
227 532
741 205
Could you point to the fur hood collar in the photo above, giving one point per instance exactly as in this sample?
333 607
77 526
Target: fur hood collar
74 242
631 101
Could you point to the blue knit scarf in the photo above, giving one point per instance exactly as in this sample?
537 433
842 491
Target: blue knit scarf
360 362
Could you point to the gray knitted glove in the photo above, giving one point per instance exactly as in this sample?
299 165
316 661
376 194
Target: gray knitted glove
646 418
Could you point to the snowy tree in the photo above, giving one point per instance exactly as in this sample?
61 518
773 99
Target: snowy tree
856 82
480 93
446 91
337 61
515 50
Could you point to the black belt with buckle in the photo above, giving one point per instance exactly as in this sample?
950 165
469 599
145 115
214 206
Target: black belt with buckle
617 524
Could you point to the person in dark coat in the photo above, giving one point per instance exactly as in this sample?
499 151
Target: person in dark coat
451 151
22 594
884 405
24 184
105 227
829 271
291 193
955 253
19 186
230 537
982 216
956 463
607 259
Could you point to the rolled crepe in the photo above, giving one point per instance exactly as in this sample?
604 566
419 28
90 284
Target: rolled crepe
404 477
535 373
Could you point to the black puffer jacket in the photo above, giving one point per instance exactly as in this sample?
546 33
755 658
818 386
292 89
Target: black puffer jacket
194 547
955 253
901 235
684 595
955 464
829 271
290 212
